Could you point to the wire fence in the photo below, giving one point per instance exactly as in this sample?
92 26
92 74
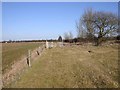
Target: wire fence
14 74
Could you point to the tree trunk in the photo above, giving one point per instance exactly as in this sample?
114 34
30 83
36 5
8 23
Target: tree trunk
99 41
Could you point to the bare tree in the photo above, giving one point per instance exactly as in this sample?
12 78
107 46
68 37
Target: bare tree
87 17
81 32
84 26
68 36
100 24
78 25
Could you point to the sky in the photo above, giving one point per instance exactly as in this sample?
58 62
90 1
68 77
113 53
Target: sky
45 20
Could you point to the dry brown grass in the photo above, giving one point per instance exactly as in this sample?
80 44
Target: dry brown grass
12 52
73 67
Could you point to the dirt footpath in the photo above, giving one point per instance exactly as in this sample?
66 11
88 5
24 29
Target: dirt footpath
82 66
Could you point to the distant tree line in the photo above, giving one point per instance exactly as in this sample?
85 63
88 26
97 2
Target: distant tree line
19 41
86 40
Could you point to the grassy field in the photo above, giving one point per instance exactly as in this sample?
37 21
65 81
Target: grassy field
11 52
73 67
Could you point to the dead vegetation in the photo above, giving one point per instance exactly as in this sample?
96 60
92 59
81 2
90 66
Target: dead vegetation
73 67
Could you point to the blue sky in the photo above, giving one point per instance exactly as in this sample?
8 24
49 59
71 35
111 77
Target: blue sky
33 20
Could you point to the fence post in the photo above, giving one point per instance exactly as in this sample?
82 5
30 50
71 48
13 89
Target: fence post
39 50
29 58
47 44
51 44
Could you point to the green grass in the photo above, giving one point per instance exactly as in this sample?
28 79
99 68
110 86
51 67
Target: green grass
73 66
12 52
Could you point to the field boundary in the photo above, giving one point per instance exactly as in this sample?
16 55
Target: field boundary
20 66
25 62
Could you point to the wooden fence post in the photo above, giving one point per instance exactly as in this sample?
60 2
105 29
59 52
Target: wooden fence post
39 50
51 44
29 58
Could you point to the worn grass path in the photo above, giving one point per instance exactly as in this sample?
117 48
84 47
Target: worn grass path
73 67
